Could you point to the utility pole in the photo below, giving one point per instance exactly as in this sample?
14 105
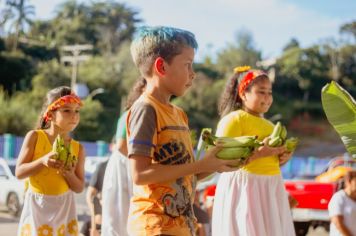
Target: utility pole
75 58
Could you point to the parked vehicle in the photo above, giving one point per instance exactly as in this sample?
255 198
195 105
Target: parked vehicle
12 190
313 195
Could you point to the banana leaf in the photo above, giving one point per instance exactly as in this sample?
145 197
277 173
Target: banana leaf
340 109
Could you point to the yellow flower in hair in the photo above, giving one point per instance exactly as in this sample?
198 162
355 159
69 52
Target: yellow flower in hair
241 69
61 231
73 227
45 230
26 230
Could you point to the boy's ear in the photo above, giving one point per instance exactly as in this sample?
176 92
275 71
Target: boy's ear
159 66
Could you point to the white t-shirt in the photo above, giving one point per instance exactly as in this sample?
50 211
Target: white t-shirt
341 204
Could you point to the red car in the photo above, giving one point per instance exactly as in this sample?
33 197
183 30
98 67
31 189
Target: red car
313 195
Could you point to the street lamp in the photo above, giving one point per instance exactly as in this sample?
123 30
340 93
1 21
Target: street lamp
95 92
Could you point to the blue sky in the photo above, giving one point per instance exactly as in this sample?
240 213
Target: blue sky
216 22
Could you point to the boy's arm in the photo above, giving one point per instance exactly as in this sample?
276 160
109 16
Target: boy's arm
145 172
204 175
338 221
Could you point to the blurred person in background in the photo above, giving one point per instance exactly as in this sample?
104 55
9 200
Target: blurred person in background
342 208
92 227
117 189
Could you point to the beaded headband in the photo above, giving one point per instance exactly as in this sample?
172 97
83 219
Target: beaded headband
72 98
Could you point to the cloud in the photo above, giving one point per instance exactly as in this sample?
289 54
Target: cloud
272 22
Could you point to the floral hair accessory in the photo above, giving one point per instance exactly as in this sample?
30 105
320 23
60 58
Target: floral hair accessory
72 98
240 69
248 78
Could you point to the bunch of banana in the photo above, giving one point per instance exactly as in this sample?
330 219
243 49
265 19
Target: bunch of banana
232 148
279 138
63 152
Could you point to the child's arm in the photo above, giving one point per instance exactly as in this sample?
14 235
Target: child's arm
284 158
75 175
338 221
145 172
25 167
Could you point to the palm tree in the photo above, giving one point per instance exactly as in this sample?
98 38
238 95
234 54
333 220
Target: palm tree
22 13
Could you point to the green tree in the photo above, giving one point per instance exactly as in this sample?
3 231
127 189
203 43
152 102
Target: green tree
22 13
349 28
242 52
106 25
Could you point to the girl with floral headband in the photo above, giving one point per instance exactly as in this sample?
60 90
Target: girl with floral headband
251 201
49 206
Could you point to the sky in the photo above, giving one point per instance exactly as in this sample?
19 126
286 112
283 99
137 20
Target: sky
216 23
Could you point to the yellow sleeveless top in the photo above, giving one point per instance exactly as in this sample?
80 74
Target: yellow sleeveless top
240 123
47 180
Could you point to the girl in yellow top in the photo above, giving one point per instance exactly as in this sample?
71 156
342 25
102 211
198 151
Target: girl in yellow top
251 201
49 207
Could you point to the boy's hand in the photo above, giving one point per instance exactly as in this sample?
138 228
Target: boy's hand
210 163
49 160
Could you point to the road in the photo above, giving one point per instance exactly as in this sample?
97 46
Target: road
8 224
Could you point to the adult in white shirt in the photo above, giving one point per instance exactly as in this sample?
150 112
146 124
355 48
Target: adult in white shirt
342 208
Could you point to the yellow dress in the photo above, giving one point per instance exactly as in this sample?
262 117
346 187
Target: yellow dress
49 206
252 200
241 123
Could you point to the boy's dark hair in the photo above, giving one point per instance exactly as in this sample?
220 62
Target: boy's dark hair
350 175
230 99
149 43
51 96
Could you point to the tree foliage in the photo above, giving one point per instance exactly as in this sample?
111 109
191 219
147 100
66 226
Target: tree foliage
35 68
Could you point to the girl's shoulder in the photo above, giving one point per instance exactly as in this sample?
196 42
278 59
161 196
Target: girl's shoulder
31 138
234 116
32 135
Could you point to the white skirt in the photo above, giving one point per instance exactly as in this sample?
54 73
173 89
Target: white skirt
48 215
116 194
246 204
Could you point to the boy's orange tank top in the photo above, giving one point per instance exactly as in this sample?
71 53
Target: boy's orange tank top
48 181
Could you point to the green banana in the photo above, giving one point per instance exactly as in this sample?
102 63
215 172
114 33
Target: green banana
291 144
276 130
275 142
283 134
231 153
242 141
64 153
208 138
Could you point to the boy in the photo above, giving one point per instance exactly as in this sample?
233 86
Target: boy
342 208
159 145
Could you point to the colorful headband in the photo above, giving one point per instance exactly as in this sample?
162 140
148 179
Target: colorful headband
72 98
248 78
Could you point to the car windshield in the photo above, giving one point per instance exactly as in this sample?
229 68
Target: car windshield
12 168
